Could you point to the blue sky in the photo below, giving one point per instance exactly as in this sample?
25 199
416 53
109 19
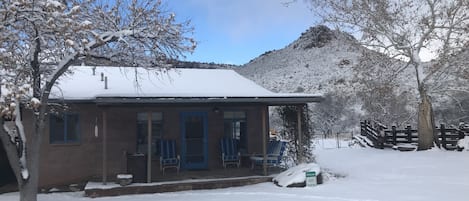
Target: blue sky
236 31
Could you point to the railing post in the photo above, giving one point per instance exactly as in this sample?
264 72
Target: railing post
461 133
394 135
443 135
362 128
409 134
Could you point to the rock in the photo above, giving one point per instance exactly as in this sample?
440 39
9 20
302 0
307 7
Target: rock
296 176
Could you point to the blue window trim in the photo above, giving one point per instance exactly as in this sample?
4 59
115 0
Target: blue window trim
65 140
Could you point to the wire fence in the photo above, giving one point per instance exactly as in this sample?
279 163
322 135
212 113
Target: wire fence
334 140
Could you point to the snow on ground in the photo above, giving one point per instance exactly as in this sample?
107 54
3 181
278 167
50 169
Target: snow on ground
365 174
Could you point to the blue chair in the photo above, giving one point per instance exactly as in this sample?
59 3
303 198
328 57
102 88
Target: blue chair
229 152
274 154
168 156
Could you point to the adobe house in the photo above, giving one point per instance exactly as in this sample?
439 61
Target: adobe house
116 117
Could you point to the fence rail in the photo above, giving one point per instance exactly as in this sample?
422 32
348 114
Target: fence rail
382 136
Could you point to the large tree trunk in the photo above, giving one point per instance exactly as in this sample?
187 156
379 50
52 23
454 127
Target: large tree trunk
426 124
28 191
28 187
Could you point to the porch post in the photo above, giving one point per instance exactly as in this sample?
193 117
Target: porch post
104 147
300 133
149 149
264 139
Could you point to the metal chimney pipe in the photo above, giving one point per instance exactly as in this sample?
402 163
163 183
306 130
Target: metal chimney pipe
105 82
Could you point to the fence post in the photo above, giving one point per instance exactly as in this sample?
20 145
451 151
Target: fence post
394 135
337 140
381 138
443 135
409 134
362 128
461 133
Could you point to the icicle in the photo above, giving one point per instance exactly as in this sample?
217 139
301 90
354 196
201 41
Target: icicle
96 131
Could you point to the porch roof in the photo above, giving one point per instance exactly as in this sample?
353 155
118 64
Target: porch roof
181 85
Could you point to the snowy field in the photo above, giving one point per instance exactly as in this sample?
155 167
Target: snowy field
362 175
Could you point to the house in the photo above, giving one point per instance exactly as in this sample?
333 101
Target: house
115 118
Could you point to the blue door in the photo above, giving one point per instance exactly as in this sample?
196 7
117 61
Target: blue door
194 140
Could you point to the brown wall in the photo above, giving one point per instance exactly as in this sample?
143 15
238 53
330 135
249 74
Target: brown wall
68 163
81 161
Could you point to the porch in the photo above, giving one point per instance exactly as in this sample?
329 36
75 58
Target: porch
183 181
196 131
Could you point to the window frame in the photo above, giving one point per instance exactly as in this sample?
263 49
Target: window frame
65 134
155 149
233 120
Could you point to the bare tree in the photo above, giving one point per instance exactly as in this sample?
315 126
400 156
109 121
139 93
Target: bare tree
384 94
404 30
333 114
41 39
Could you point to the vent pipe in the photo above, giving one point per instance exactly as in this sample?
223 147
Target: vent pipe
105 82
102 77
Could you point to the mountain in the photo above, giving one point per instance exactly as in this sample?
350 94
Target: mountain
319 59
325 61
356 80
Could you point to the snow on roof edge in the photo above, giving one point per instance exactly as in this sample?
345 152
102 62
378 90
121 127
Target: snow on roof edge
81 84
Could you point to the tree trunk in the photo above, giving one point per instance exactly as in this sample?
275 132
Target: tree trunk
426 124
28 190
27 187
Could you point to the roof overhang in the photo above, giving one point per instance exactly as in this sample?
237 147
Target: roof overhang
266 100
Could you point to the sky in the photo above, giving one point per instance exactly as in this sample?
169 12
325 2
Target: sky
236 31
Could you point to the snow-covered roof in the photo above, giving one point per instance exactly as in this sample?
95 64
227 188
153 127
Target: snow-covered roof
180 83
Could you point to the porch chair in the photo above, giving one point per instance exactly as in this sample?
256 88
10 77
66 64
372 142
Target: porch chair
274 154
168 156
229 152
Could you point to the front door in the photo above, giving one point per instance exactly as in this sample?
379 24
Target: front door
194 140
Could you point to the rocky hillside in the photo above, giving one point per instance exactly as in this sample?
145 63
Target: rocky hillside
324 61
319 59
328 62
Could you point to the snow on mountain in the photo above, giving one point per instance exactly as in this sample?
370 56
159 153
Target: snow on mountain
325 61
319 59
355 80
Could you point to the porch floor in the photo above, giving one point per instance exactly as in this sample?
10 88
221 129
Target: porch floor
172 175
185 180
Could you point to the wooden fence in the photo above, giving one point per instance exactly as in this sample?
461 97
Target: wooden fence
381 136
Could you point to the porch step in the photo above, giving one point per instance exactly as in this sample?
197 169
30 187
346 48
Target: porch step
94 190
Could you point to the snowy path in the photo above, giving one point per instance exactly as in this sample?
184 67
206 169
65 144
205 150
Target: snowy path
370 175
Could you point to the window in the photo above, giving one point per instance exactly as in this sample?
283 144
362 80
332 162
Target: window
156 132
64 128
235 127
